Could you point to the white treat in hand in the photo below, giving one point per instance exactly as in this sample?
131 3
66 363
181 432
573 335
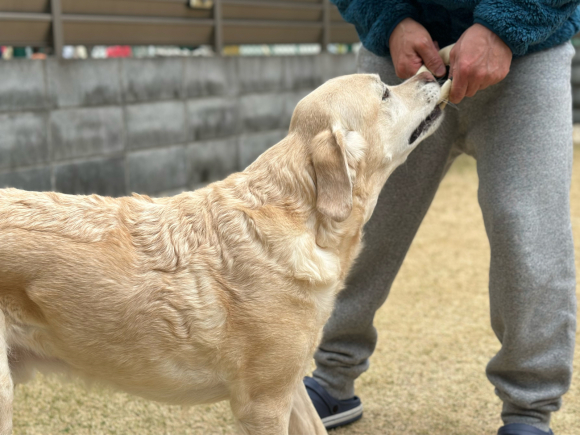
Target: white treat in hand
445 90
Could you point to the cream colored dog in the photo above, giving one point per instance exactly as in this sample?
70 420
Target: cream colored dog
217 294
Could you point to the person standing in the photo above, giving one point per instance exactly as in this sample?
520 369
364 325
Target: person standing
513 60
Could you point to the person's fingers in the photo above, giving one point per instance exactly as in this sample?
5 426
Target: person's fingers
413 67
487 82
472 89
452 57
404 73
436 44
478 80
430 55
459 86
473 78
407 66
402 70
458 90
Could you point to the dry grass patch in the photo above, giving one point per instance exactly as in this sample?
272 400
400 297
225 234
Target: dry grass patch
427 375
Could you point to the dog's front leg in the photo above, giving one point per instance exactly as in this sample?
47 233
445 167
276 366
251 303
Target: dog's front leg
304 418
6 385
261 414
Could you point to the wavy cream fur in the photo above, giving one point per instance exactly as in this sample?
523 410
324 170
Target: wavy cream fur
217 294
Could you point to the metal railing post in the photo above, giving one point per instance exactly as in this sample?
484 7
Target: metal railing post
213 23
325 24
57 30
218 27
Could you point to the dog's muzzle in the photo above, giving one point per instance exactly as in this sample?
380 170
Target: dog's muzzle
446 86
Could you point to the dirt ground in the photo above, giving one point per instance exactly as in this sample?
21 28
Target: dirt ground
427 375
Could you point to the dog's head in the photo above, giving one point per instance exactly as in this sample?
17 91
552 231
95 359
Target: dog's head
358 130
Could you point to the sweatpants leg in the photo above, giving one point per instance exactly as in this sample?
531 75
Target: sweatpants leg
349 336
522 137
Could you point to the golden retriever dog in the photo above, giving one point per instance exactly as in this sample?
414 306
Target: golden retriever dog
216 294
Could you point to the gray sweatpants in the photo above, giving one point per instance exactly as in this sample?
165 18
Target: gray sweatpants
520 132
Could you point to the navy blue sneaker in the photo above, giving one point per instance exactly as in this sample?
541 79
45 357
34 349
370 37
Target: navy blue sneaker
333 412
521 429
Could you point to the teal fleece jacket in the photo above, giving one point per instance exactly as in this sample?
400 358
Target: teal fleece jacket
525 26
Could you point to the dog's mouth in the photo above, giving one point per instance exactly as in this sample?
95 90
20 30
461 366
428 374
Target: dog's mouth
425 124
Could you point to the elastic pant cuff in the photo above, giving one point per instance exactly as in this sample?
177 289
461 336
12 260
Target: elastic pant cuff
514 414
339 387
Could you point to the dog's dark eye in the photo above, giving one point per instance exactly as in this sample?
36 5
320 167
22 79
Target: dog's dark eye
386 94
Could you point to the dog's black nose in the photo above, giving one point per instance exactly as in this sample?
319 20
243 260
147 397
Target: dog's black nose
443 79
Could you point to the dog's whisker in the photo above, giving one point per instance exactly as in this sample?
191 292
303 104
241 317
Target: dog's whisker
450 104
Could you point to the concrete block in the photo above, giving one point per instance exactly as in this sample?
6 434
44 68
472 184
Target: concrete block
100 176
170 192
335 65
576 58
576 96
211 161
86 132
211 118
23 139
254 144
87 82
261 74
159 170
152 79
302 72
156 124
29 179
210 76
262 112
23 85
575 79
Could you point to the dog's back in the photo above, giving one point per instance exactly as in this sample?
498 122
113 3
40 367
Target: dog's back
74 268
41 232
36 231
83 219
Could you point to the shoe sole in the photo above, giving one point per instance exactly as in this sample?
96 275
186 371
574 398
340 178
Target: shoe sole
343 418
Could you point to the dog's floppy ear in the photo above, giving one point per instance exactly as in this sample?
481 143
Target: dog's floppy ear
333 184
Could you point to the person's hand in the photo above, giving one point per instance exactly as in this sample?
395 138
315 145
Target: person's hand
479 59
411 46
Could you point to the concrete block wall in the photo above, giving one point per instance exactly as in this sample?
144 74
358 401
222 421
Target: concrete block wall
154 126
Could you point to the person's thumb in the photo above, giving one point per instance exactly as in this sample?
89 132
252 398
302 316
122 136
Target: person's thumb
431 59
